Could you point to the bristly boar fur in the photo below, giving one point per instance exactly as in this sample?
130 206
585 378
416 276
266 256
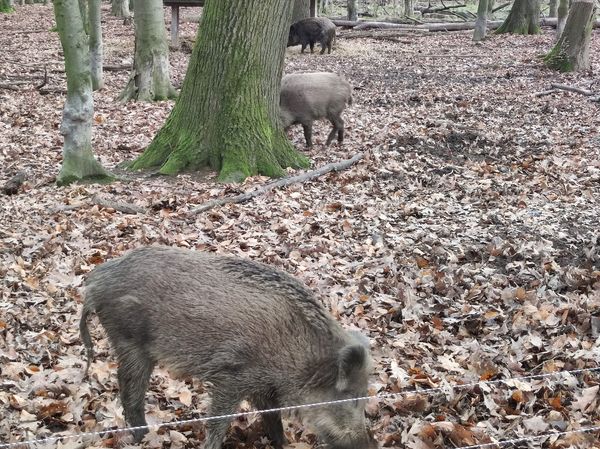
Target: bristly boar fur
306 97
307 32
251 331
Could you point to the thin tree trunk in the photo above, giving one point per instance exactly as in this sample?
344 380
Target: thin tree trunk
552 10
563 12
5 6
94 12
572 51
491 4
78 160
409 9
524 18
301 10
227 115
149 80
481 22
120 8
353 10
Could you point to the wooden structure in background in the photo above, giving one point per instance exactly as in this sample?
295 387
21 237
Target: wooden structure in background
176 4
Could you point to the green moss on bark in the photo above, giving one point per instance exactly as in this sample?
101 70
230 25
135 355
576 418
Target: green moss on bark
5 7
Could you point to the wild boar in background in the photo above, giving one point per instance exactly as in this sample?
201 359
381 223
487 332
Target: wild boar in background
253 332
306 97
307 32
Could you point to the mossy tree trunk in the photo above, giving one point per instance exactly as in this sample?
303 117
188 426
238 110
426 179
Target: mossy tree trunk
552 8
563 12
572 51
94 18
227 115
78 160
353 10
301 10
409 8
149 80
120 8
490 7
481 23
5 6
524 18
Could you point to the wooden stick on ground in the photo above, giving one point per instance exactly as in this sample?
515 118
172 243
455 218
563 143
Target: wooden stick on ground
577 90
336 166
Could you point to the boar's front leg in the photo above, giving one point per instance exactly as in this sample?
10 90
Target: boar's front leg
307 134
134 371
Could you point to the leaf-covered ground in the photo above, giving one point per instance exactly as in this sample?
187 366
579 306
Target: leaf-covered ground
465 245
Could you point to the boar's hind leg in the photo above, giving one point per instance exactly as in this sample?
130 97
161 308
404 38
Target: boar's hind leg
308 134
134 373
224 402
338 127
271 421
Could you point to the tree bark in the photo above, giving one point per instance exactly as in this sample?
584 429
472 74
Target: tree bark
352 9
552 8
301 10
524 18
409 8
227 115
120 8
572 51
481 22
563 12
94 17
149 80
78 160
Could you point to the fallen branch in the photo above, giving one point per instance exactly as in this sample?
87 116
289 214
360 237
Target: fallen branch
336 166
577 90
9 87
117 67
502 6
429 9
120 206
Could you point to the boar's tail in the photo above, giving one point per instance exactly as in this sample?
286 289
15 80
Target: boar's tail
84 334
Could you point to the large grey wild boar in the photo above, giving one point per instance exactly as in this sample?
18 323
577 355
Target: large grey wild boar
306 97
307 32
253 332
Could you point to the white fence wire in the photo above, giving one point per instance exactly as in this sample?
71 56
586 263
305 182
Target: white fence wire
427 391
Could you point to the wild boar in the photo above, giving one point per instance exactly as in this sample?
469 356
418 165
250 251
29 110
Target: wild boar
253 332
307 32
306 97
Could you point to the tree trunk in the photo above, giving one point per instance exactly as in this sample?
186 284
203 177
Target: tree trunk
94 19
78 160
409 9
552 10
563 12
149 80
120 8
481 23
301 10
572 51
324 6
5 6
227 115
490 7
524 18
353 10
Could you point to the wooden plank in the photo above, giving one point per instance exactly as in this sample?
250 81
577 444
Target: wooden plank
188 3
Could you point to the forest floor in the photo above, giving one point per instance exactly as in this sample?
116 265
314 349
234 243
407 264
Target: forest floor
465 244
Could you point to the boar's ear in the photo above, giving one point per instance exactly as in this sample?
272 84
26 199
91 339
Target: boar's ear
352 364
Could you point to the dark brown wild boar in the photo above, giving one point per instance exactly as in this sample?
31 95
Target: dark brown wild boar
307 32
251 331
306 97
